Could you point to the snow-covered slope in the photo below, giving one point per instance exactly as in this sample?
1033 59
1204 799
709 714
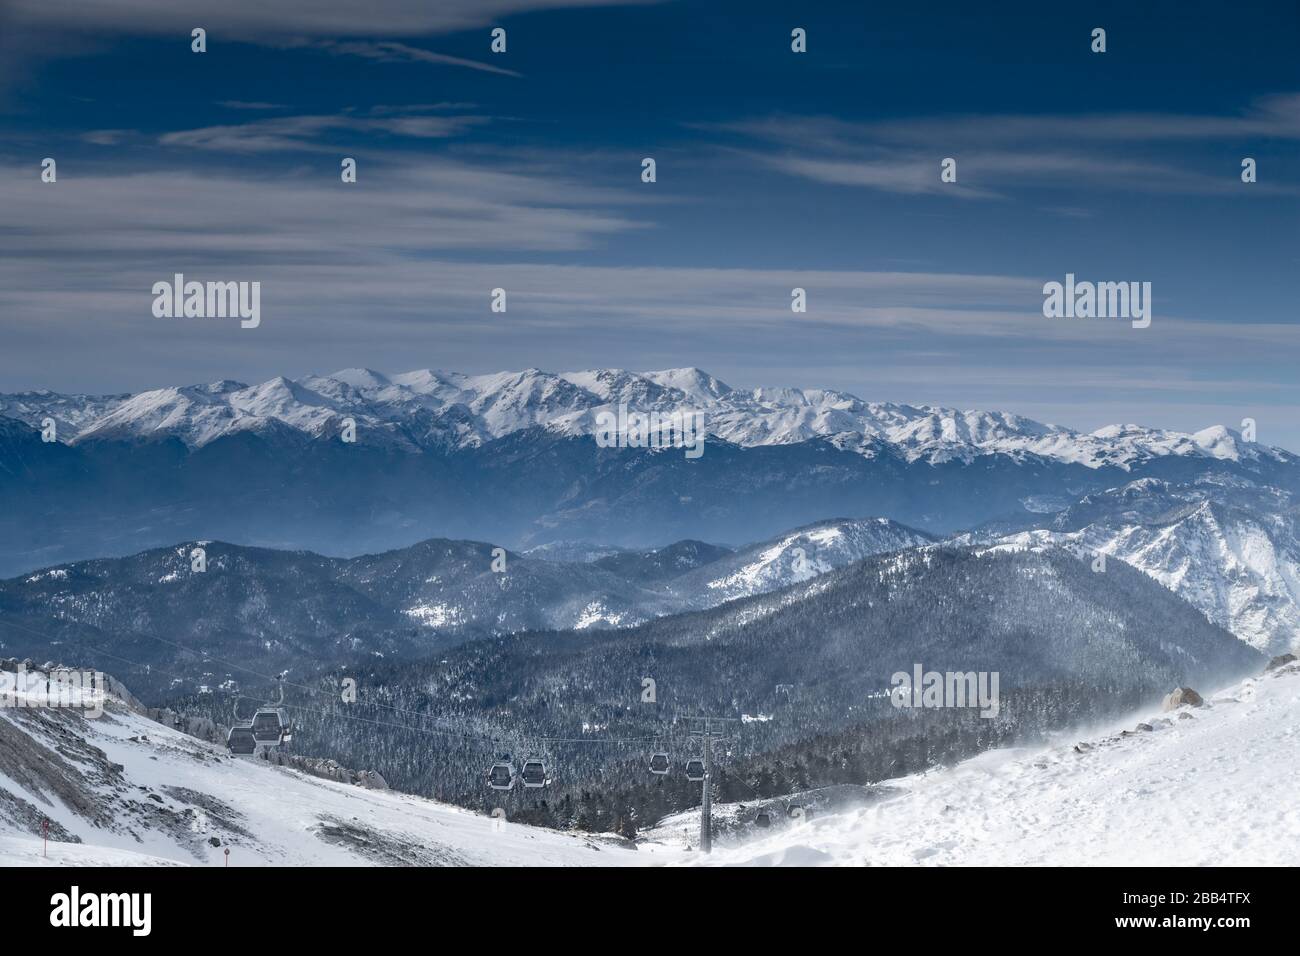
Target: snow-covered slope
1207 786
428 408
1232 551
794 557
125 790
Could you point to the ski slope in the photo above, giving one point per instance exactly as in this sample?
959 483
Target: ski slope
1209 786
138 793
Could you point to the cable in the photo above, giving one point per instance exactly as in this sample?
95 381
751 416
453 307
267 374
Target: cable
444 733
315 690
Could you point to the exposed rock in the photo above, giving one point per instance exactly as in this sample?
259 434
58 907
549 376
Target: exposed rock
329 770
1181 696
372 780
1280 661
44 754
201 727
1146 727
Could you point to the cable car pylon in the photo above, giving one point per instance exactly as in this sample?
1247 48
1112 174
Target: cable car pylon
704 774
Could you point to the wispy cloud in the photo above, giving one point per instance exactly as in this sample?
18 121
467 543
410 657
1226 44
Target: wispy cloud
398 207
242 105
106 137
309 132
1126 151
390 52
263 21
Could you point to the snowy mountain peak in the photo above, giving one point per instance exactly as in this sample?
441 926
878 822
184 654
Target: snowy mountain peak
469 410
694 383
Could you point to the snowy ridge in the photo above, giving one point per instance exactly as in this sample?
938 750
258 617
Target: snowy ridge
1147 791
1231 552
795 557
431 409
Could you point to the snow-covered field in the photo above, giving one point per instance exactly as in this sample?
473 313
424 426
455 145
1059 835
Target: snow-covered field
1214 785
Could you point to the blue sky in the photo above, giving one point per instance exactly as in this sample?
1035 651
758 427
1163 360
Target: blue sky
775 170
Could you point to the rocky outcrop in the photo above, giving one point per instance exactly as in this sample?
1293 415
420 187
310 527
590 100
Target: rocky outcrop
328 770
1182 696
1280 661
201 727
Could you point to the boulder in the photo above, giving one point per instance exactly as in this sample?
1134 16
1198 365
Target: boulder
372 780
1182 696
1280 661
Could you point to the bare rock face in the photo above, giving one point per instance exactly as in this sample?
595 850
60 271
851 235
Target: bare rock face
1182 696
1280 661
201 727
372 780
329 770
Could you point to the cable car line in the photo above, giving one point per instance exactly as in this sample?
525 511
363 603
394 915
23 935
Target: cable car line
318 691
268 729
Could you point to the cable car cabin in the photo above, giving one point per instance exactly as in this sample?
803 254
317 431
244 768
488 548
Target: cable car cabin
695 769
501 776
241 742
534 773
763 821
268 727
659 763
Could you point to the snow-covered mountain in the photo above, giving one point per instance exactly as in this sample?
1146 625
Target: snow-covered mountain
792 558
429 408
1151 790
1231 549
123 790
510 457
279 609
276 609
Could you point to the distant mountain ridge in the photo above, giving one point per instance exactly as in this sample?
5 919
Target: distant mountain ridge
511 458
434 409
283 608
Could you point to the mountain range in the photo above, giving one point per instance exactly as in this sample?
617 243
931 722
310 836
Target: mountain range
271 610
511 458
435 410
